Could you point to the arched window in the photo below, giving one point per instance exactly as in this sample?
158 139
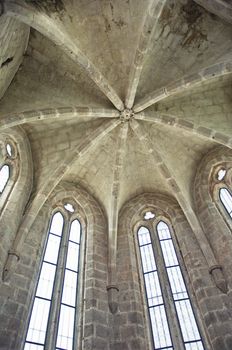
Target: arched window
8 167
4 176
173 323
226 199
222 186
54 311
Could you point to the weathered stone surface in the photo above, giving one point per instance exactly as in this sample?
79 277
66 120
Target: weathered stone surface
120 107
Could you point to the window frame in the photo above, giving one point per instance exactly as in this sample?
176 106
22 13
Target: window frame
215 187
151 225
68 218
143 285
13 163
219 194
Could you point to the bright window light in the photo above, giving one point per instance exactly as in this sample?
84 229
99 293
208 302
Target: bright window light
149 215
221 174
69 207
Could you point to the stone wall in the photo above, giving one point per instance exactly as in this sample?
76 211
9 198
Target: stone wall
13 44
218 306
16 296
128 328
12 210
210 304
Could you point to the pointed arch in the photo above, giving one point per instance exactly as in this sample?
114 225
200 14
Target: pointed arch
93 244
132 217
14 198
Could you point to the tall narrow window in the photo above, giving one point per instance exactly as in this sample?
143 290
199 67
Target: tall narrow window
188 325
226 199
167 296
8 166
59 271
69 294
155 301
4 176
222 189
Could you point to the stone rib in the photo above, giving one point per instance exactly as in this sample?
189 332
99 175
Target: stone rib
55 113
53 31
188 82
179 123
113 218
41 196
115 191
149 26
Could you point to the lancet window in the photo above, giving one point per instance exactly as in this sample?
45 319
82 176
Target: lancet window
54 313
222 191
8 167
172 320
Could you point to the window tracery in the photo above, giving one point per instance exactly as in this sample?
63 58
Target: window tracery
221 189
54 309
8 167
171 315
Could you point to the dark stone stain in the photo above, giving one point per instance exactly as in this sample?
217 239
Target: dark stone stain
48 6
33 33
7 61
166 13
118 22
107 25
1 7
194 37
192 12
193 15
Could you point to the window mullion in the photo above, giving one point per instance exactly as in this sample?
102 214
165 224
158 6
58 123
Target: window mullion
50 342
167 293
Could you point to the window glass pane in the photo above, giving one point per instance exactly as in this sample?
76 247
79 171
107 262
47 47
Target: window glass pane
33 347
75 231
52 249
57 224
169 253
69 207
69 288
46 280
185 314
144 236
67 284
65 330
177 283
4 176
187 320
226 199
9 149
160 330
73 256
38 322
221 174
149 215
160 327
163 230
148 259
194 346
154 294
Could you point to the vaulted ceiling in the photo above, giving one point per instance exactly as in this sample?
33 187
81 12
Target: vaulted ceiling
119 96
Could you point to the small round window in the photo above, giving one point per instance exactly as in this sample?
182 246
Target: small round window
149 215
9 149
69 207
221 174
